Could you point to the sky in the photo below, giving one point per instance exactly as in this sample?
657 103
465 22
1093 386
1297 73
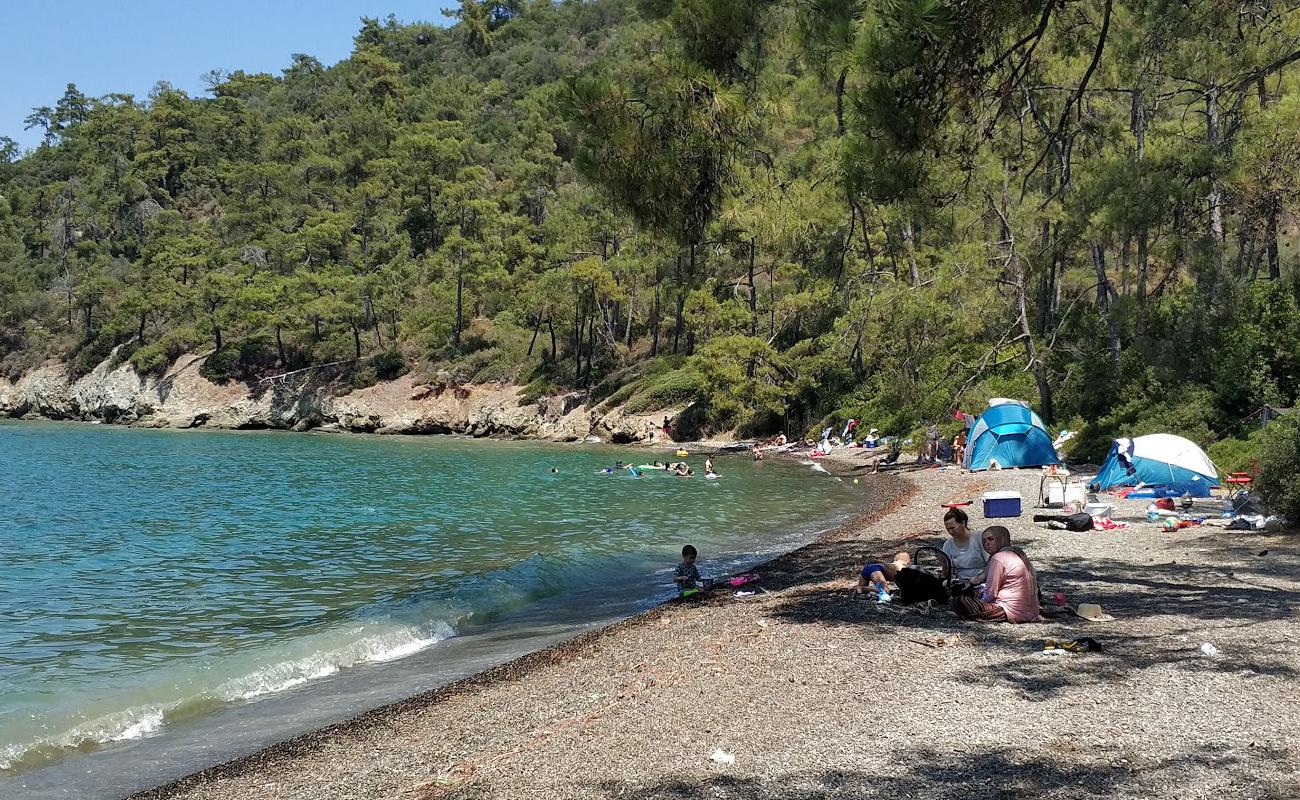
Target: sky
108 46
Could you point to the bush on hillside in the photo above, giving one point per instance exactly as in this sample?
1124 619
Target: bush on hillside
1237 455
675 388
1279 480
1188 414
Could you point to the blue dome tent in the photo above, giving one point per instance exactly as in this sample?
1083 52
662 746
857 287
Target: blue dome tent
1009 434
1159 460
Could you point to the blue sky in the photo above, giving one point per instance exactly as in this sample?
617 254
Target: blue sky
115 46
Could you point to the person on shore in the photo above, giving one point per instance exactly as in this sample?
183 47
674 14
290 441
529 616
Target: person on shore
931 444
686 575
964 549
1011 592
959 447
877 576
667 424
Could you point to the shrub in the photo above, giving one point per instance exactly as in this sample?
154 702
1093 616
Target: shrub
1237 455
388 365
1189 414
239 360
1279 481
221 365
536 390
675 388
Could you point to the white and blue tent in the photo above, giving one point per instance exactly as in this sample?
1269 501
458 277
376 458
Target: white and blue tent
1009 434
1159 460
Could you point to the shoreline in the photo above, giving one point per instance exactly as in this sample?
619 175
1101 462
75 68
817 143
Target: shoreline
511 671
810 691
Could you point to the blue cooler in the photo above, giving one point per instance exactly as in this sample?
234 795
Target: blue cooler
1002 504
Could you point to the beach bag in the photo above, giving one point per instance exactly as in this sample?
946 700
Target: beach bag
926 578
1071 522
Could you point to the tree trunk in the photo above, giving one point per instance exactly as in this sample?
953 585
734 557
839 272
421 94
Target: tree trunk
839 101
1032 360
460 306
356 339
279 347
578 319
631 312
654 325
753 294
536 328
550 325
681 305
1139 127
591 348
1105 293
1270 240
1214 197
909 246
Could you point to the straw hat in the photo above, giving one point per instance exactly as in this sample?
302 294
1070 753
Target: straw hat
1093 612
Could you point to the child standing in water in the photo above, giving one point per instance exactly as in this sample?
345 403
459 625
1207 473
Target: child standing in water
686 575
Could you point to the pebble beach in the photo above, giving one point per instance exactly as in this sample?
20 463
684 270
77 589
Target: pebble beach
808 690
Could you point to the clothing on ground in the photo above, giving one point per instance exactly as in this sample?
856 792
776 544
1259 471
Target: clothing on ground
976 610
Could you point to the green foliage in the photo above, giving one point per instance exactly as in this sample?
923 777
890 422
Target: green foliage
781 214
1187 411
668 390
388 365
1279 481
1237 455
239 360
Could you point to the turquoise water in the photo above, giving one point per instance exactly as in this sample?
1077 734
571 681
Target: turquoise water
154 579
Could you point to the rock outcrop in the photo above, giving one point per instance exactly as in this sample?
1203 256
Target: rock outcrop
182 398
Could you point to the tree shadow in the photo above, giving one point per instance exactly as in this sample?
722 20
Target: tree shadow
927 772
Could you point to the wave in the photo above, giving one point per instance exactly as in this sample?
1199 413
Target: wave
361 646
120 726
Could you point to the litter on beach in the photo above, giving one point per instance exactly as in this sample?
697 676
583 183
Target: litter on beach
721 756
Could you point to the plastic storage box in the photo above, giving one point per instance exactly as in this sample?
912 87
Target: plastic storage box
1002 504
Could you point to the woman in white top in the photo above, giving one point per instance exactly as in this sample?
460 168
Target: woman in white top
964 549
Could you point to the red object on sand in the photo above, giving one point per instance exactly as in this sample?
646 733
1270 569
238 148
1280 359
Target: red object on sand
957 505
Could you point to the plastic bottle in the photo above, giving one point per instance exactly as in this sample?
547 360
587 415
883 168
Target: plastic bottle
1153 513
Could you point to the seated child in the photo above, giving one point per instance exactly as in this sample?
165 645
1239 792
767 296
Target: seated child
876 575
686 575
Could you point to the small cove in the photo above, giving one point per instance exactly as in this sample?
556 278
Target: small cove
172 599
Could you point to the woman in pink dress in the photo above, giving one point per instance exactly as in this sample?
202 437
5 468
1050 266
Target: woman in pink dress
1011 588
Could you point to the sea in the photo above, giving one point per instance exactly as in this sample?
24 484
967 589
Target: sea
173 599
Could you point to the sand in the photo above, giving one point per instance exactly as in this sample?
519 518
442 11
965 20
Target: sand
820 693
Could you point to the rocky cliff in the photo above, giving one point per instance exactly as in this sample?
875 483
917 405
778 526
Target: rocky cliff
182 398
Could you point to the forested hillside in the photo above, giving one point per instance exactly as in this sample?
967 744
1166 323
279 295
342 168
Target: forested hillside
884 209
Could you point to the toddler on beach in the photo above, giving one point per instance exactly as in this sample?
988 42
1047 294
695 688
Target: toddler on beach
687 575
876 574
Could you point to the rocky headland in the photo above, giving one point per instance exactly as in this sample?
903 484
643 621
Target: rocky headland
183 398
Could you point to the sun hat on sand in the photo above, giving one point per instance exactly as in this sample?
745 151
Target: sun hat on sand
1092 611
